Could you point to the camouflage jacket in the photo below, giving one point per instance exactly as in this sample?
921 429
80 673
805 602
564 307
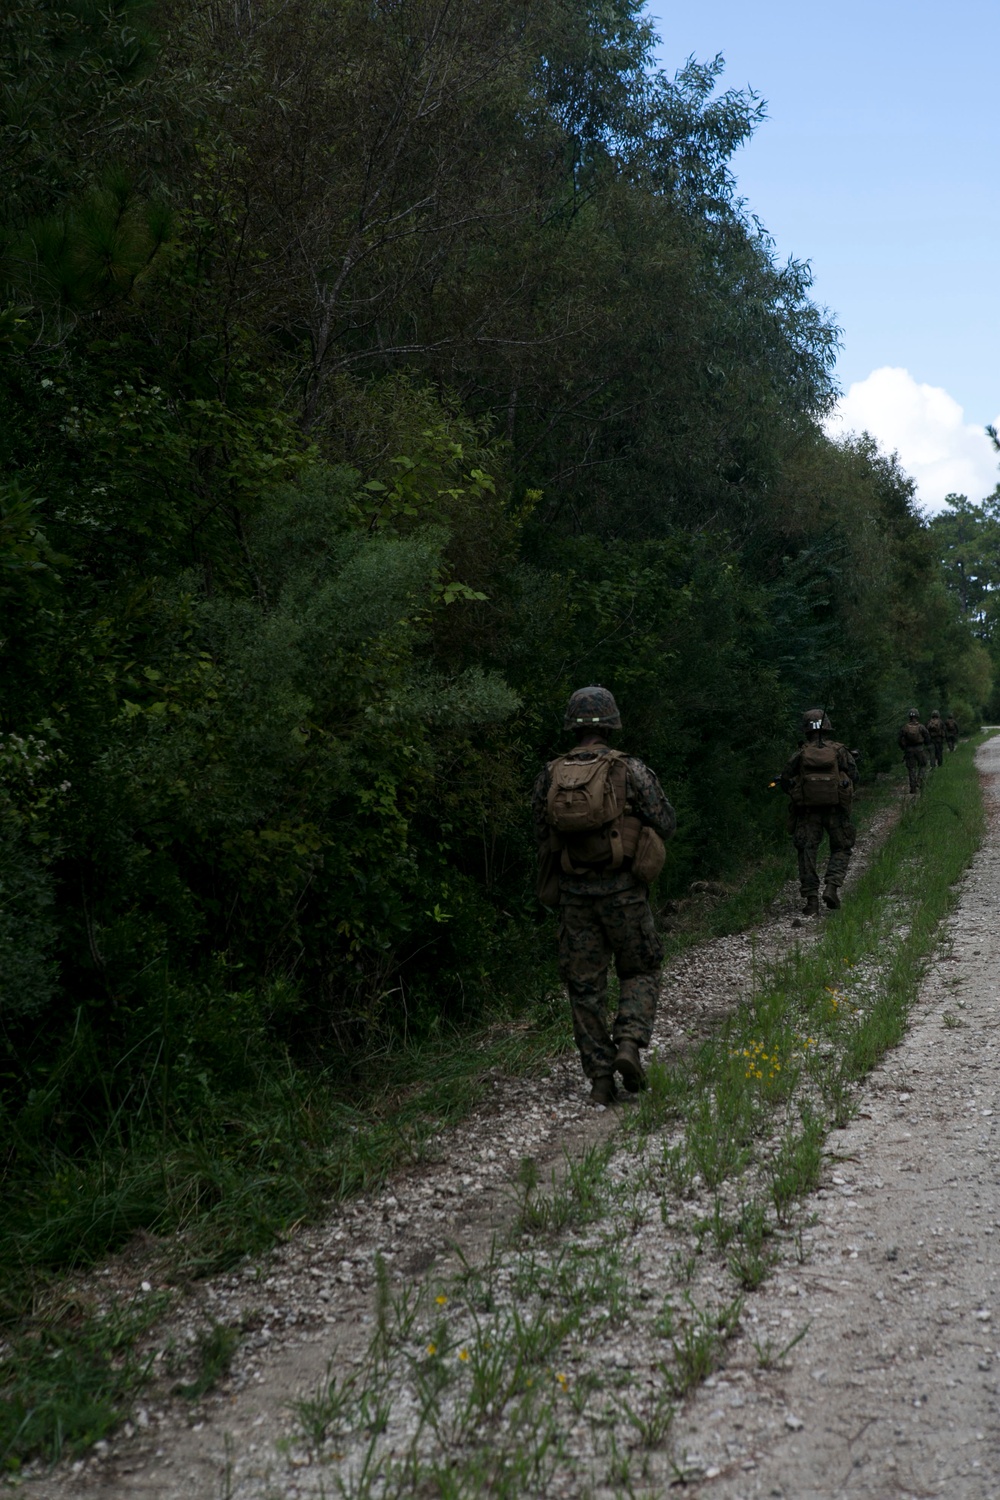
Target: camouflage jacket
935 728
951 728
646 799
845 760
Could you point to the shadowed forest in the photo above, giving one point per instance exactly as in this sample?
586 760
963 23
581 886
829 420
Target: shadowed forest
372 376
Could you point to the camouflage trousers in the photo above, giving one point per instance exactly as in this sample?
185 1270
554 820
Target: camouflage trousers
937 752
810 826
916 762
952 742
592 931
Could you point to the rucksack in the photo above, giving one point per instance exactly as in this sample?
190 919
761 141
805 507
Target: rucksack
912 733
585 794
586 811
819 776
592 826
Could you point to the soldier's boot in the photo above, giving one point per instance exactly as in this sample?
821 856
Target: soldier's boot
831 896
811 908
628 1065
603 1090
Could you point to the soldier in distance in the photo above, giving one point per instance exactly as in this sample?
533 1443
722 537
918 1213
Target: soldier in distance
601 821
935 728
820 779
951 731
915 743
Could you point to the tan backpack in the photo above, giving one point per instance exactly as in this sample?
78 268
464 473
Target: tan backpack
591 823
586 794
819 776
912 733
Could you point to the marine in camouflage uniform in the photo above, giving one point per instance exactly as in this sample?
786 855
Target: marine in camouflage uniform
935 728
605 915
916 757
807 825
951 731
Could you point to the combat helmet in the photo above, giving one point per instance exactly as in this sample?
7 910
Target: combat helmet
592 707
814 719
914 713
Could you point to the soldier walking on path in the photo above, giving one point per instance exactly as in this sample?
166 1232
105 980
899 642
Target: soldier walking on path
935 728
601 820
914 741
819 780
951 731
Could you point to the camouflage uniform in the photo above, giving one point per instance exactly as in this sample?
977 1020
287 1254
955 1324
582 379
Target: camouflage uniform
935 728
951 732
606 915
807 826
916 758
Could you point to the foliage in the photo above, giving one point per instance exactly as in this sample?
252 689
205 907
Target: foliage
967 538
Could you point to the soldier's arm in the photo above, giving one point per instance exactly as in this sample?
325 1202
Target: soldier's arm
648 801
790 772
539 801
846 762
926 733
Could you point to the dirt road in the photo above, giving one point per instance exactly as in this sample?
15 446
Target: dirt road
890 1392
894 1390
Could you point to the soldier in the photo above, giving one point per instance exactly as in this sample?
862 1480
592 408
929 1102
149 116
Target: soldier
600 821
935 728
819 780
914 741
951 731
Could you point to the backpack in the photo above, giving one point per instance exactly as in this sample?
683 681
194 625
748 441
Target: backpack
585 794
587 813
819 776
913 733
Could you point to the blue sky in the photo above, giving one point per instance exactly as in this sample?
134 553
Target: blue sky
879 165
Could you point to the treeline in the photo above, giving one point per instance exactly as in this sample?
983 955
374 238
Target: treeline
371 376
967 536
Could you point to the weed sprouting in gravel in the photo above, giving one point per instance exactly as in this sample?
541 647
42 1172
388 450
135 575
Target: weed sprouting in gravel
699 1345
214 1350
771 1355
326 1413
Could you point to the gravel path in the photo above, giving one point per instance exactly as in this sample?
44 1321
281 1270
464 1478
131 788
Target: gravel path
893 1391
875 1255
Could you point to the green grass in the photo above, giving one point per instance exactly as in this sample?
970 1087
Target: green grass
69 1381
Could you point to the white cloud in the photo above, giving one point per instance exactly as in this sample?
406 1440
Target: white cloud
927 428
